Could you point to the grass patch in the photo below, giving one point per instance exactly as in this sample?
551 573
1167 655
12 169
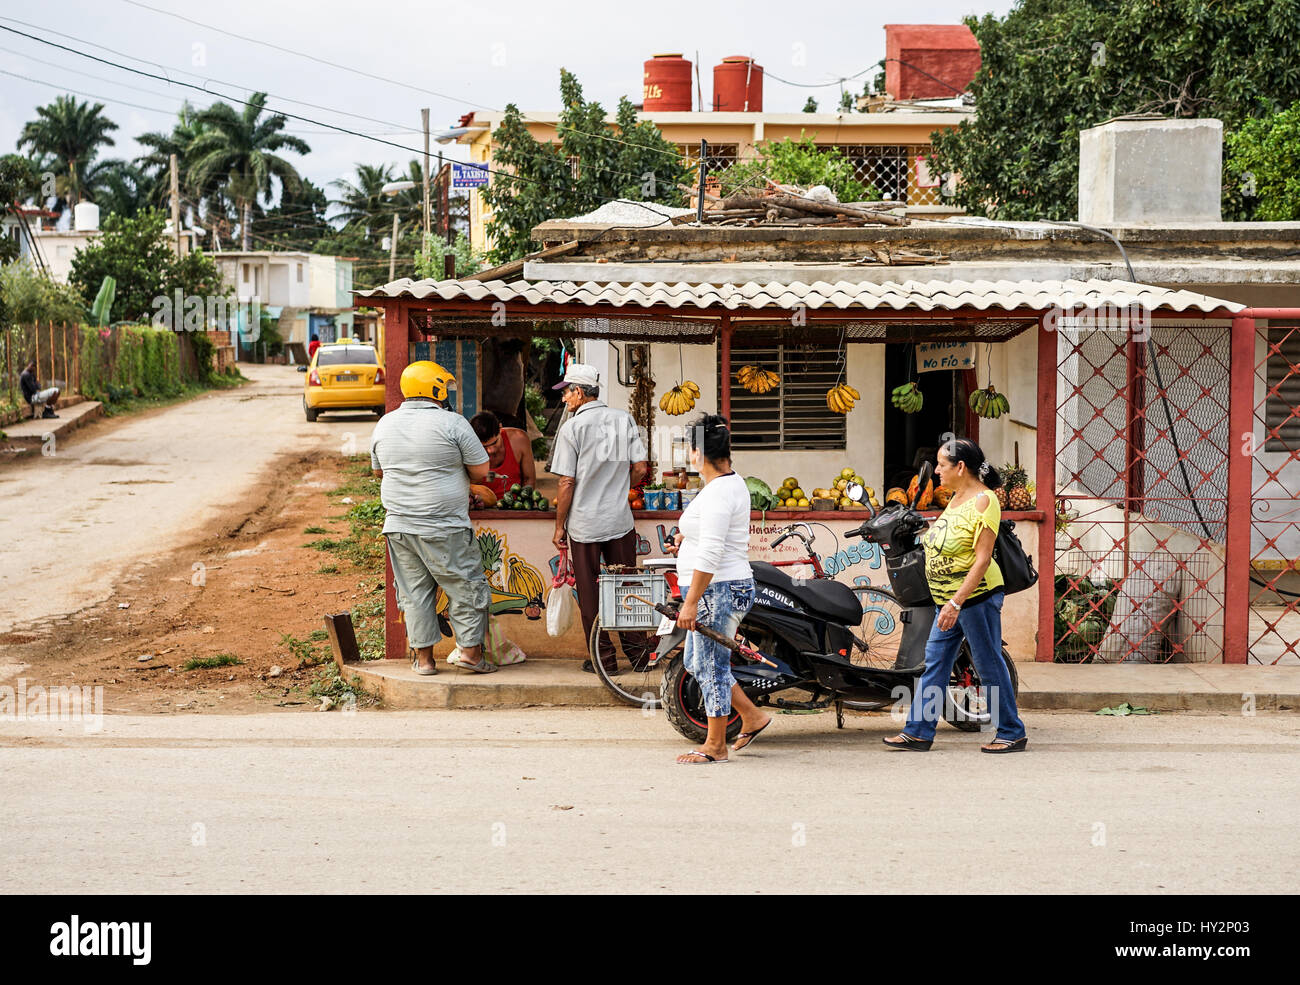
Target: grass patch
329 683
315 530
324 544
309 651
328 569
207 663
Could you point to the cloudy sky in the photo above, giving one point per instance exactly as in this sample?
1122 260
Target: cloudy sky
390 59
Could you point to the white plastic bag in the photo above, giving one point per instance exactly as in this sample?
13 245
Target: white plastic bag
561 606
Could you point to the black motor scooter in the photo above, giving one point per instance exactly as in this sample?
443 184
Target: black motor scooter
803 635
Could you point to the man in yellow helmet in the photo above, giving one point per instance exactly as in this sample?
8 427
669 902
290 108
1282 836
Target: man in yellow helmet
427 455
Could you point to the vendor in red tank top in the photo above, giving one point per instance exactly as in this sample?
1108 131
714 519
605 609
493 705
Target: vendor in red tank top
510 454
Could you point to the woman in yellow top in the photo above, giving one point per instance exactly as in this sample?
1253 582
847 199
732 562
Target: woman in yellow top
967 588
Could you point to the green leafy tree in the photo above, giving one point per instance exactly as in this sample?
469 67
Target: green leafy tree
70 132
429 261
135 253
810 105
361 203
1264 163
797 162
238 150
1051 68
593 163
28 295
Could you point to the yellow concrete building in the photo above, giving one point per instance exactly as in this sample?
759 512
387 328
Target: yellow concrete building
886 148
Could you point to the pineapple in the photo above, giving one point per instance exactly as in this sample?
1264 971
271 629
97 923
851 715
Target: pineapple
1015 480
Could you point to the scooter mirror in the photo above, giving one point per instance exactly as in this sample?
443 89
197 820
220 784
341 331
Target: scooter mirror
855 492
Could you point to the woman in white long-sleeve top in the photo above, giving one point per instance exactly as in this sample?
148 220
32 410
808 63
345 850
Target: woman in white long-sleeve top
713 564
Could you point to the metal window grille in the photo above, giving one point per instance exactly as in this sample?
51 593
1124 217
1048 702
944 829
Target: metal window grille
1282 409
719 156
1150 518
794 415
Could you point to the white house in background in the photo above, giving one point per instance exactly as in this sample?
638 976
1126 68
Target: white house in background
306 292
331 314
56 238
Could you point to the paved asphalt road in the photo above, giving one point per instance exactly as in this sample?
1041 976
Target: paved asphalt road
572 801
126 490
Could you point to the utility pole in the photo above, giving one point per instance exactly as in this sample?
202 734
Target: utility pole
392 252
444 199
424 117
176 205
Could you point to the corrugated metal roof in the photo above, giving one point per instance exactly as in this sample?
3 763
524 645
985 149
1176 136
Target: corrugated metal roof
935 295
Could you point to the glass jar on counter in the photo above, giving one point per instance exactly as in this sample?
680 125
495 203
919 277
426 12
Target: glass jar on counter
682 479
693 481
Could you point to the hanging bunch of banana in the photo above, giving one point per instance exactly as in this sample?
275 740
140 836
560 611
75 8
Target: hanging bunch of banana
757 380
680 398
988 403
907 398
841 398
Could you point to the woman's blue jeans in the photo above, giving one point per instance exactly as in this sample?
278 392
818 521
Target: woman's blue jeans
722 606
981 626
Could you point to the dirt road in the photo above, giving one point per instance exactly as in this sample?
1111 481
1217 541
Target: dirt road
120 492
576 801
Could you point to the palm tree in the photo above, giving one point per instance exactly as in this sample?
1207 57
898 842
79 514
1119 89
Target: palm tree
157 162
71 132
362 204
119 186
237 149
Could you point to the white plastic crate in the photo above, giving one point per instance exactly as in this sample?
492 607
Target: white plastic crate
614 588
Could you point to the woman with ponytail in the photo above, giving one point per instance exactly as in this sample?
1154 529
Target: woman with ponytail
713 569
968 589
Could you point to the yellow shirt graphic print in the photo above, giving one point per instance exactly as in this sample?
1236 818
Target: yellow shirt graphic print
950 547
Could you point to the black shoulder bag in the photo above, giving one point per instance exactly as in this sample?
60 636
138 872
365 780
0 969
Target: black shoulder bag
1017 570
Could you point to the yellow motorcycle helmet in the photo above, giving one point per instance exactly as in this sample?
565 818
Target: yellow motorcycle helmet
426 379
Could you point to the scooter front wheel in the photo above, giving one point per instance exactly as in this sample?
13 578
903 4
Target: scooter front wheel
683 703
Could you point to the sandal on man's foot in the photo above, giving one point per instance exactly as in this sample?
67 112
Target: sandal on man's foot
907 742
749 737
424 671
999 746
704 759
482 667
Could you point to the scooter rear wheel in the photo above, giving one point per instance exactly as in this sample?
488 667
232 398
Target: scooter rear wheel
683 703
966 706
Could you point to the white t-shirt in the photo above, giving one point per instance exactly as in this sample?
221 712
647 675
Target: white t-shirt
715 532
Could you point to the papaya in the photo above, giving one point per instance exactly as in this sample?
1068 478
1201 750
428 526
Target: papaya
927 497
942 495
485 495
897 495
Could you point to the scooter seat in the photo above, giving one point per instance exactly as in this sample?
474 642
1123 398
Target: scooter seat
831 599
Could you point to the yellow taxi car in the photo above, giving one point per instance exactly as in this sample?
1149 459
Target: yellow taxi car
344 375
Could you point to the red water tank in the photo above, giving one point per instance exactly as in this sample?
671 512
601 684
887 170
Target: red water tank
667 85
738 85
929 61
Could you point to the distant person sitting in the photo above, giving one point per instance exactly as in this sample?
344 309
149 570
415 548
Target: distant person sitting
312 346
510 453
35 396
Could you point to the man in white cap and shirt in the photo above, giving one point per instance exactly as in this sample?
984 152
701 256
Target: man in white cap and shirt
599 455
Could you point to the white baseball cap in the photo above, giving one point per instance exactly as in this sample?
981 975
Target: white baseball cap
580 374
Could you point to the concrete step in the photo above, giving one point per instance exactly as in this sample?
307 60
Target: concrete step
546 683
32 434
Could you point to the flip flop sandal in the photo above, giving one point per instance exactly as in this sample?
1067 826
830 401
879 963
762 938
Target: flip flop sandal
423 671
749 737
482 667
707 760
1006 745
908 743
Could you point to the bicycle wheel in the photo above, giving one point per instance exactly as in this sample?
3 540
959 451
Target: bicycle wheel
880 634
637 687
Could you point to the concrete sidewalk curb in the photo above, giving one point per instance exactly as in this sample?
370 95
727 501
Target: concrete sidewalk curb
1043 687
32 434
